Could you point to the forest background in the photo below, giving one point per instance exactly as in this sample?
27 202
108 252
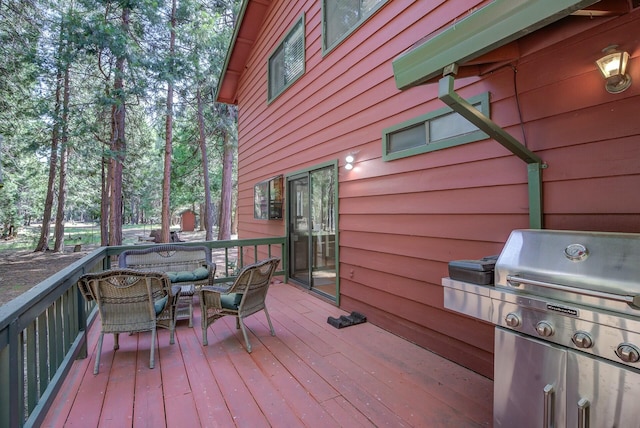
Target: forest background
108 116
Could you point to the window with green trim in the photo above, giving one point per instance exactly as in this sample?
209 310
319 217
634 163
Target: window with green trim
286 63
340 17
267 199
433 131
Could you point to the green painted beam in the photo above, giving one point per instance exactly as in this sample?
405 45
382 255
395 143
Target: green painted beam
534 163
536 209
492 129
484 30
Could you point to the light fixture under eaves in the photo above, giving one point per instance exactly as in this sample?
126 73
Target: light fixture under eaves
613 66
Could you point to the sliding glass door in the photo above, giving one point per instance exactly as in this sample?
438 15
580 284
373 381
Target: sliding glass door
312 230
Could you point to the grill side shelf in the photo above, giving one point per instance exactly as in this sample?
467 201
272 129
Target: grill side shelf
469 299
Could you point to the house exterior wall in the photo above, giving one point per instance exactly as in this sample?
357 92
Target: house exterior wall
401 222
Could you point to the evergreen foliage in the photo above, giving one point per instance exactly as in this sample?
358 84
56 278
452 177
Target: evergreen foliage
42 39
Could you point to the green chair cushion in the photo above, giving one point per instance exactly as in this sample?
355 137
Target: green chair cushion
189 275
201 273
231 300
159 304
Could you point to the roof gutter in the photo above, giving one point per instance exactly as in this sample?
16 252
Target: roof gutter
534 163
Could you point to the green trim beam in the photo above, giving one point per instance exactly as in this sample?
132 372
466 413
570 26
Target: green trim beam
536 212
485 29
534 163
473 115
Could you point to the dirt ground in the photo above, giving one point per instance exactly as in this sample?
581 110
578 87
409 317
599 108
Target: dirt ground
21 270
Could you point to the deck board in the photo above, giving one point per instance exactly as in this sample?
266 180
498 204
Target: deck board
117 408
310 374
147 389
210 403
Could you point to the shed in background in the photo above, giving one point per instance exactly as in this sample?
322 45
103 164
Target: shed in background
187 221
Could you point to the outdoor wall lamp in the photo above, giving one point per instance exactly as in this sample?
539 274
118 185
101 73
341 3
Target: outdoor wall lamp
613 66
349 160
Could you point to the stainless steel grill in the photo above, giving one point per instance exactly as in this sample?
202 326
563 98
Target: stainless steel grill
566 306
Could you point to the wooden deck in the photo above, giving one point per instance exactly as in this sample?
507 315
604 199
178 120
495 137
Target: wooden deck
310 374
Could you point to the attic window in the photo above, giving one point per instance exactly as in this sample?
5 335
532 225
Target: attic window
341 17
434 131
286 63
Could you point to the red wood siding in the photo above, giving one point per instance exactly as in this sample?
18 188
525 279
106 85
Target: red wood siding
402 221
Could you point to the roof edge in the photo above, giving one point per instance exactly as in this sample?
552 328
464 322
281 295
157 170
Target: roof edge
232 43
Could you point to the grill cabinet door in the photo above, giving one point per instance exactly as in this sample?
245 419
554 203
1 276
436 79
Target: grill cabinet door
524 368
606 393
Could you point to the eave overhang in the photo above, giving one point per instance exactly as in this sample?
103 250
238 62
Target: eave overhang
245 35
480 34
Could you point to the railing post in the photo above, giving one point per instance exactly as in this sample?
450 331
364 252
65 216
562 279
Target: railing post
5 387
12 404
82 322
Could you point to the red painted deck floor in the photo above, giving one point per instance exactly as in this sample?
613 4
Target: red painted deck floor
310 374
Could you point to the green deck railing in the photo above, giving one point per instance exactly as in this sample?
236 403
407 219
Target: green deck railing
44 330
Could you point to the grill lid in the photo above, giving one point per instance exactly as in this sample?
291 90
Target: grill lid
598 269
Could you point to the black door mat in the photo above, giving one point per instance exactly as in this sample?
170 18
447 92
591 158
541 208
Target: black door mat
347 320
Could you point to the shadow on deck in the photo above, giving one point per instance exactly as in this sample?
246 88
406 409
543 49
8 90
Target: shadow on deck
310 374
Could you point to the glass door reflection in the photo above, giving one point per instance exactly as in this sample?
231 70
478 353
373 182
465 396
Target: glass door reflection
299 230
312 237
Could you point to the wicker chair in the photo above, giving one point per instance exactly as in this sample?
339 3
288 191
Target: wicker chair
131 301
244 297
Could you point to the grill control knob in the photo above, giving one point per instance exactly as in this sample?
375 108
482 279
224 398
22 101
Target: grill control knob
582 340
628 353
512 320
544 329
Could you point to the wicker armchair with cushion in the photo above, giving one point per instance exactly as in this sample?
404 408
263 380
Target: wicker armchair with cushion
129 302
244 297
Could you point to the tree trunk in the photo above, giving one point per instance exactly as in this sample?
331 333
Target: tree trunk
118 144
64 158
207 214
224 226
234 218
62 198
104 203
201 217
115 174
43 242
168 149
